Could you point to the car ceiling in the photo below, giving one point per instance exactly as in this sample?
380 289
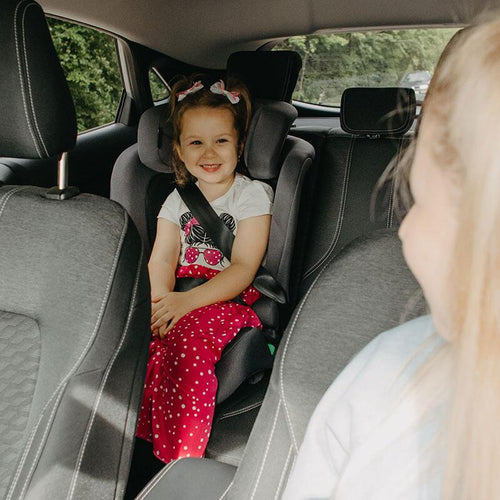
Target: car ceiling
205 32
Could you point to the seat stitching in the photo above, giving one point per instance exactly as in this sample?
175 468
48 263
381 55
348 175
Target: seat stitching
285 468
106 374
226 491
59 389
340 221
240 411
40 137
267 450
282 392
22 82
292 328
8 195
147 489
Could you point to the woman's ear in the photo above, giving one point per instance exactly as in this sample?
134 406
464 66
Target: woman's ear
241 147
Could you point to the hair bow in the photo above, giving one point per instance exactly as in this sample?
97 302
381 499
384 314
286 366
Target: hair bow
191 90
220 88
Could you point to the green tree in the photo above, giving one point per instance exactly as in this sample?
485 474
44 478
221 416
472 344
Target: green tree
333 62
89 61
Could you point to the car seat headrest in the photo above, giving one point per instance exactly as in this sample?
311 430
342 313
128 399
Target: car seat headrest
268 75
268 130
377 111
154 139
38 115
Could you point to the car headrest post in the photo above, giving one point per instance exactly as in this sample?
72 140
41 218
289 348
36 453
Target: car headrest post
62 191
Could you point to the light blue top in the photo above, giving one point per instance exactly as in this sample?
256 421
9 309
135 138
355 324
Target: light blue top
371 436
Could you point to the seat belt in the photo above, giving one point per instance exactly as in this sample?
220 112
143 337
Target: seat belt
223 237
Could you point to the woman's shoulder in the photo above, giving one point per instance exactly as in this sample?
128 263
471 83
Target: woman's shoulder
398 347
386 364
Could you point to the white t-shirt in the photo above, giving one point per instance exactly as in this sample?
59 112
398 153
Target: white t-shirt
244 199
370 437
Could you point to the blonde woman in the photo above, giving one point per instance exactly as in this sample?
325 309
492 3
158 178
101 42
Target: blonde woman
416 415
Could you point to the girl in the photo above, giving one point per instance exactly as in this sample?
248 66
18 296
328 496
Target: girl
416 414
191 328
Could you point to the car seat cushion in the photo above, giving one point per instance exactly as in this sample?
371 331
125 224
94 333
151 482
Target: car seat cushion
64 269
268 130
154 139
19 362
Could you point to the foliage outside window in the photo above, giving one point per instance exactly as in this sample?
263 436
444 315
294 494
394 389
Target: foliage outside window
159 89
88 58
334 62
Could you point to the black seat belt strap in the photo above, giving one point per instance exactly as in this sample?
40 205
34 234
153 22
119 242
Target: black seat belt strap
223 237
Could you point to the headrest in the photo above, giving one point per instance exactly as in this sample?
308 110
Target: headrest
36 108
377 111
154 139
268 74
268 130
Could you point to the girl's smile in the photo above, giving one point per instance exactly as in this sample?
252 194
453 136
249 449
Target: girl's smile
208 146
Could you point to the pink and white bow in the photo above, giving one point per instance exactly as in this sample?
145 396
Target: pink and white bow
191 90
220 88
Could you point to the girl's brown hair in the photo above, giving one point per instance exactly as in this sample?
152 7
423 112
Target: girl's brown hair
241 112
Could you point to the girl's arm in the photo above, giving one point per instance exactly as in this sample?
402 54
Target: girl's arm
248 251
163 261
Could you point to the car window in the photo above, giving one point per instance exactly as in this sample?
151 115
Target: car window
159 89
88 58
335 61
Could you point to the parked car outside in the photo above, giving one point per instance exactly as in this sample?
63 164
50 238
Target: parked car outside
418 81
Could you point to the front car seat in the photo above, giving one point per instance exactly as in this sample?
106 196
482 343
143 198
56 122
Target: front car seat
74 296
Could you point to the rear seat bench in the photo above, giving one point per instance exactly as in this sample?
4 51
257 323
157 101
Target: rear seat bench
347 166
349 162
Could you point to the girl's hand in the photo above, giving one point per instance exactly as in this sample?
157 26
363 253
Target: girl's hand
167 311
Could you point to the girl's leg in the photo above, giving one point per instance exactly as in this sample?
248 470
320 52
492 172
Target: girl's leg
179 398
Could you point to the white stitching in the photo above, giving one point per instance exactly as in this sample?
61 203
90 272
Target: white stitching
21 80
283 471
147 489
40 137
8 195
282 391
103 383
340 222
285 349
240 411
267 450
65 380
226 491
292 328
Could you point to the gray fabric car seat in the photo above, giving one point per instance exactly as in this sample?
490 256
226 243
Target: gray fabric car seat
142 178
74 297
375 126
365 290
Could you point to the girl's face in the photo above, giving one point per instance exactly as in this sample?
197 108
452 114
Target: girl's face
208 146
429 229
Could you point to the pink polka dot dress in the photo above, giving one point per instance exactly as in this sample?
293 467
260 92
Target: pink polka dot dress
179 392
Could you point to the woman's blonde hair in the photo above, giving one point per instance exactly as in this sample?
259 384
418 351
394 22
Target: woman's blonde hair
463 102
241 112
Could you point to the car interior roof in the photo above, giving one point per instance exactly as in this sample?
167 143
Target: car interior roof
226 26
